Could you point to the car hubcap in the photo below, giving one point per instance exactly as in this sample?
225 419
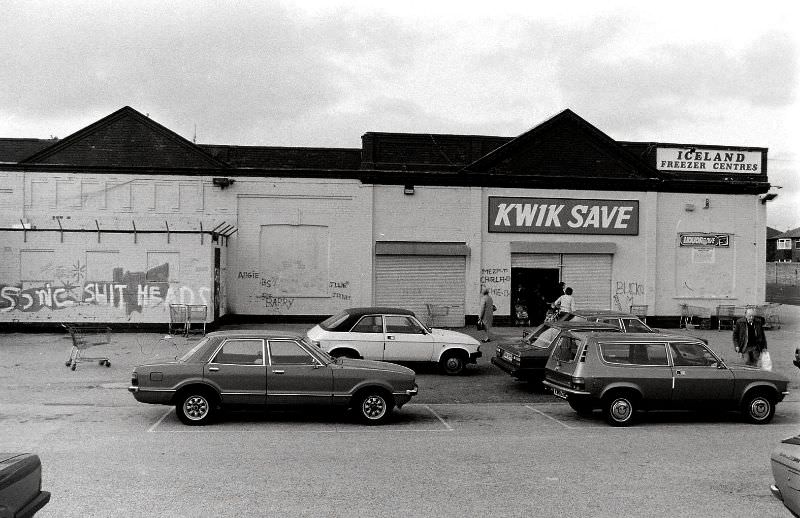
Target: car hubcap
195 407
759 409
453 364
374 407
621 410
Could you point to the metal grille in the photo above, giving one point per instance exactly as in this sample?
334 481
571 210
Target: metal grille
412 281
589 275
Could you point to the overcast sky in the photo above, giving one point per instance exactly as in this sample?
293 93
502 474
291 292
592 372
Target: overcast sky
323 73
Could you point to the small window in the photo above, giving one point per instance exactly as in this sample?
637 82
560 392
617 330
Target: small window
634 325
566 349
240 352
784 244
692 354
369 324
403 325
634 353
286 352
797 243
611 321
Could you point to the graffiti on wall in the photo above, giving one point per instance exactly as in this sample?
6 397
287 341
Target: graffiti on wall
340 290
132 290
498 280
626 293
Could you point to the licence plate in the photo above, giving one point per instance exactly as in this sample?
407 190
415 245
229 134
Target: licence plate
507 356
559 393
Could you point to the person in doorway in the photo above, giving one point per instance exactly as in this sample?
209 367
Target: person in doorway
748 337
565 303
486 313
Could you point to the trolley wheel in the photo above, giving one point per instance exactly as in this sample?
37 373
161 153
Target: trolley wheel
108 363
101 362
74 366
68 363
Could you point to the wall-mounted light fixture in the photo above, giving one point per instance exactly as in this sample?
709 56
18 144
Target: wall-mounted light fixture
768 197
222 182
408 189
708 204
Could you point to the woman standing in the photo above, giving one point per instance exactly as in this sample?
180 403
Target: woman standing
486 313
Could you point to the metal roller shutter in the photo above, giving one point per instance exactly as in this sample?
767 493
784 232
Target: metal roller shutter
412 281
535 260
589 275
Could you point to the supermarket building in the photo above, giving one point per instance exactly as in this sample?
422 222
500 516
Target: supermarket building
124 218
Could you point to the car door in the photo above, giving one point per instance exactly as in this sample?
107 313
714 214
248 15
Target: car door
295 377
645 365
701 379
406 340
367 337
238 369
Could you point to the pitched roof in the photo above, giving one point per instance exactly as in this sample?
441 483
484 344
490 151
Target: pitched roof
15 149
125 138
793 233
773 233
564 146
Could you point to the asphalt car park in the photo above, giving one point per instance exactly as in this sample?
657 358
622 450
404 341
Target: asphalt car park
476 444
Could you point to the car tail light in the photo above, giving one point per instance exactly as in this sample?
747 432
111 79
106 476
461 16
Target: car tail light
135 379
578 383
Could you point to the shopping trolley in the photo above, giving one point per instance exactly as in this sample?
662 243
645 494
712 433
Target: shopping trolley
770 313
435 310
84 337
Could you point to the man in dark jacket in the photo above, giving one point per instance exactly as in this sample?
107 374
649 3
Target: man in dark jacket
748 337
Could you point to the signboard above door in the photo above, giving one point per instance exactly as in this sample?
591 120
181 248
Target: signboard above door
563 216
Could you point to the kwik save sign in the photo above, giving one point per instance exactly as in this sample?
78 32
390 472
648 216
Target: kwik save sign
563 216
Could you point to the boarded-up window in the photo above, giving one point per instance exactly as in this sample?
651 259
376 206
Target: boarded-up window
163 267
705 272
294 259
167 197
38 265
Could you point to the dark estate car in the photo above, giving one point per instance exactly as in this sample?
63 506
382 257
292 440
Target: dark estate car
623 373
21 492
785 461
526 359
270 370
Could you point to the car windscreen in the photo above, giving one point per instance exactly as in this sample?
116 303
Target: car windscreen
634 325
543 337
334 321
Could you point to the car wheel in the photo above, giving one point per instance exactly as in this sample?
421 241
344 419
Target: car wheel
583 408
374 406
453 363
620 409
196 407
758 408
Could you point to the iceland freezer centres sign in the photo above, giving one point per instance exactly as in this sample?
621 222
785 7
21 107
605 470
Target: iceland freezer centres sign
563 216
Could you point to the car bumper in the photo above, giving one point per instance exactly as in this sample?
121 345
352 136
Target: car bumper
566 390
155 397
401 398
526 373
34 505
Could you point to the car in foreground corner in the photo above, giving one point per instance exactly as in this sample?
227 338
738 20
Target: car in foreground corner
270 370
626 322
395 335
21 492
785 460
526 359
623 373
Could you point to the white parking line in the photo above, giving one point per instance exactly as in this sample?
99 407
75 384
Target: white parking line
446 425
565 425
152 428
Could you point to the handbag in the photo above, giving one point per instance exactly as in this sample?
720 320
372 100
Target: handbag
765 361
480 325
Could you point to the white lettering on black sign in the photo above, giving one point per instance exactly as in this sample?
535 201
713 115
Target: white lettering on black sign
563 216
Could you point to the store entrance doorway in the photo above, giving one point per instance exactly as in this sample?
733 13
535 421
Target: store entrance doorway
532 292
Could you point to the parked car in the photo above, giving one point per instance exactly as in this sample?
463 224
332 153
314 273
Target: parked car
626 322
785 460
21 492
624 373
525 359
270 370
393 334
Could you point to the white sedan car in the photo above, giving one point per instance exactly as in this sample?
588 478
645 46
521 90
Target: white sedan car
394 335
